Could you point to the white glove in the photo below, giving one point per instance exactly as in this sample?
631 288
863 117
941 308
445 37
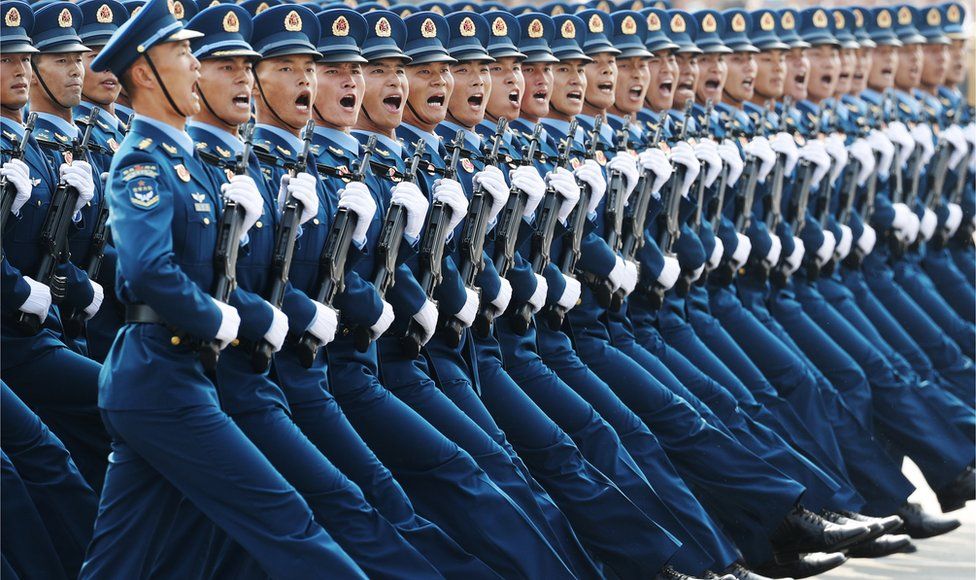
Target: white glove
627 166
503 297
38 301
591 174
826 249
760 149
526 178
837 149
669 273
492 181
656 162
302 188
79 176
706 151
696 274
470 309
922 134
230 322
357 200
775 249
629 281
970 133
898 133
242 190
427 317
683 154
324 324
449 192
862 151
843 247
414 203
383 322
927 225
955 137
278 330
571 293
784 144
564 183
867 239
795 259
954 219
905 222
885 148
731 156
98 295
538 298
742 250
716 258
616 275
18 175
816 153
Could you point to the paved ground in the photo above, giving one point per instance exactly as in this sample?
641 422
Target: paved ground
948 557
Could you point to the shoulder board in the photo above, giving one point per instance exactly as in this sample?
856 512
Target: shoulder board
102 124
283 151
221 151
266 157
170 149
10 136
146 144
336 151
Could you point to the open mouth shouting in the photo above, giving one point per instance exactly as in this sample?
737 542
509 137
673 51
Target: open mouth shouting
303 101
666 89
541 96
393 103
515 97
476 100
242 101
348 102
436 100
575 96
605 87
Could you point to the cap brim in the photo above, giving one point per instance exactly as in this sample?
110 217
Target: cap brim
743 47
471 55
17 47
866 43
229 53
292 51
850 43
432 56
957 35
913 38
772 45
715 49
635 52
887 41
939 39
507 53
342 58
662 45
63 47
602 49
183 34
571 55
385 54
823 41
96 40
540 56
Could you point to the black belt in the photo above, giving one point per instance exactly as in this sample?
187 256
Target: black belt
142 314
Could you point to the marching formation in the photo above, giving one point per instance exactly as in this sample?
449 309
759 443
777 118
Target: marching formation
473 291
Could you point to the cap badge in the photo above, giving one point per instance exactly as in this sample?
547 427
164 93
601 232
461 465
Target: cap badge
428 29
12 18
953 13
934 17
904 16
839 21
568 30
738 22
179 11
628 25
498 27
884 19
653 22
788 22
709 24
535 29
767 22
383 28
104 14
64 18
467 28
596 24
677 23
820 19
340 26
231 22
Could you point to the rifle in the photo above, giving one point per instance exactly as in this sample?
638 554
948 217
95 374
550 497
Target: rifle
284 249
54 237
545 229
506 235
7 190
388 246
332 261
704 132
431 254
473 235
743 214
774 212
614 210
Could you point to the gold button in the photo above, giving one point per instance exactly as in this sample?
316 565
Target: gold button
206 221
315 221
235 342
258 224
345 331
175 341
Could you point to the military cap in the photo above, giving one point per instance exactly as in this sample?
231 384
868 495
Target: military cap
226 30
55 28
385 36
403 10
18 21
953 16
657 37
735 32
503 34
342 31
441 8
100 19
365 7
844 28
762 30
881 27
816 27
929 23
493 6
556 8
599 27
468 36
905 26
204 4
427 38
709 22
604 5
133 6
152 25
184 10
286 30
520 10
629 32
255 7
536 32
860 27
787 20
635 5
466 7
662 4
567 42
681 29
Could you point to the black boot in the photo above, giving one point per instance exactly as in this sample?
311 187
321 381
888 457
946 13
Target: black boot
883 546
962 489
669 573
803 531
920 524
801 566
740 572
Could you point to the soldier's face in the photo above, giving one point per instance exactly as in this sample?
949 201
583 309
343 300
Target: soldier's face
15 76
102 88
601 81
848 62
431 86
472 87
538 90
289 84
770 74
662 68
339 95
909 71
797 74
862 70
226 84
180 71
633 79
884 63
712 71
568 89
63 74
507 87
824 69
740 84
935 64
386 92
688 73
956 71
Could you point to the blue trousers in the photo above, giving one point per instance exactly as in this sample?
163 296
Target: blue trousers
917 284
26 545
952 285
964 256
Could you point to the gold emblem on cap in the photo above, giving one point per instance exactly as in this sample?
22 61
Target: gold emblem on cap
767 22
568 29
213 3
179 11
738 22
293 22
383 28
340 26
934 17
603 5
64 18
653 22
637 5
709 24
839 21
557 10
498 27
596 24
953 13
437 10
231 22
12 17
535 29
884 19
467 27
104 14
261 8
788 22
820 19
428 29
904 15
678 23
858 18
628 25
